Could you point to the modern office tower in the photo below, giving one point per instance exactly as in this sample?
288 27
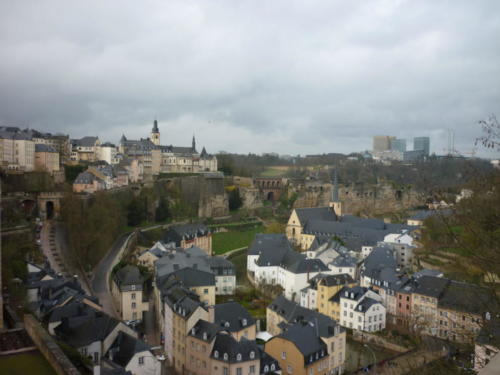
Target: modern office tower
398 145
382 142
422 144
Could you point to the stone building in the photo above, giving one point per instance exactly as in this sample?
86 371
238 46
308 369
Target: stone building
167 159
126 289
46 158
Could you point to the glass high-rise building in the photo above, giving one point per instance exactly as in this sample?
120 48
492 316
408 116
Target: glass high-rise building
398 145
422 144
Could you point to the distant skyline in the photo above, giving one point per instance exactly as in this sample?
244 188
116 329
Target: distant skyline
290 77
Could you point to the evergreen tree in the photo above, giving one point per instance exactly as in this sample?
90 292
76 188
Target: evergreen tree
162 212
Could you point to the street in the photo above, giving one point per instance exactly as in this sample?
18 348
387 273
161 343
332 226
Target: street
99 282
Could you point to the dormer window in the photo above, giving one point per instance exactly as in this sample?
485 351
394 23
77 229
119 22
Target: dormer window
273 367
193 331
347 294
244 322
204 336
216 354
266 368
238 357
226 324
226 357
252 354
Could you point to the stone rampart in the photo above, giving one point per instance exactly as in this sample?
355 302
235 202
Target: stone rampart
48 347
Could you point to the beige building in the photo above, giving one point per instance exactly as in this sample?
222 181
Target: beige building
85 149
382 142
189 235
327 287
127 289
167 159
18 150
331 336
46 158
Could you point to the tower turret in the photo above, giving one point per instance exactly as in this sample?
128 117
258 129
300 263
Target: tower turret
155 134
335 203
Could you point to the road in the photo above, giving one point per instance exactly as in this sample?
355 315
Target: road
99 282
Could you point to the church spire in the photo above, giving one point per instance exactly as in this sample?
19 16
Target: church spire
155 127
155 134
194 144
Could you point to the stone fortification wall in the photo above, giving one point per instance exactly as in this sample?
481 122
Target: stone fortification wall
204 193
360 198
48 347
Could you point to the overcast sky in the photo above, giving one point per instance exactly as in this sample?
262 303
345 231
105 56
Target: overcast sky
294 77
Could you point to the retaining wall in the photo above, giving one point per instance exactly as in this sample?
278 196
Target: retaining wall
48 347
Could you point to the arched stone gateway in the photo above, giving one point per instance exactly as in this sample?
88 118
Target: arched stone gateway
49 205
270 187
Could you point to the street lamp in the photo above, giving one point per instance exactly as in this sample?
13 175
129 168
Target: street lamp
374 358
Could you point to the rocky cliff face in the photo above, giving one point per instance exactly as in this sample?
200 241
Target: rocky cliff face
360 198
205 193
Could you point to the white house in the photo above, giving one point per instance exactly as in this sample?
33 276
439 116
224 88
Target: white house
272 260
361 309
133 355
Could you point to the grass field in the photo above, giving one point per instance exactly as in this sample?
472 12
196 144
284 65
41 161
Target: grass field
25 363
274 171
226 241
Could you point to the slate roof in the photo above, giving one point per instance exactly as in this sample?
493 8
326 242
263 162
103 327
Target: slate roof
181 300
193 278
85 178
232 316
315 213
381 265
355 293
267 363
178 233
431 286
365 304
204 330
292 313
306 339
332 280
129 275
70 310
44 148
467 298
125 347
85 141
345 260
264 243
227 344
82 331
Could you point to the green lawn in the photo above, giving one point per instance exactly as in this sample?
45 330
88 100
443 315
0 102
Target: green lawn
226 241
25 363
274 172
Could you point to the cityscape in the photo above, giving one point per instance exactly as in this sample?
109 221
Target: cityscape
223 218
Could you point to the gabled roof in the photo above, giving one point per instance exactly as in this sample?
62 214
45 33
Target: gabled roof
431 286
467 298
177 233
333 280
307 341
86 178
82 331
193 278
129 275
40 147
232 317
227 344
204 330
315 213
125 347
85 141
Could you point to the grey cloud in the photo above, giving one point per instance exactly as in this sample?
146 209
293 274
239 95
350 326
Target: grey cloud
247 76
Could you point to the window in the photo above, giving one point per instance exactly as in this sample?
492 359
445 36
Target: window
226 357
252 369
133 305
238 357
283 355
133 295
141 360
238 371
252 354
205 291
226 370
216 354
289 369
332 346
311 371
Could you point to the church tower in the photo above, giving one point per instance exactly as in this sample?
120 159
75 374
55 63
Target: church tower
335 203
155 134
